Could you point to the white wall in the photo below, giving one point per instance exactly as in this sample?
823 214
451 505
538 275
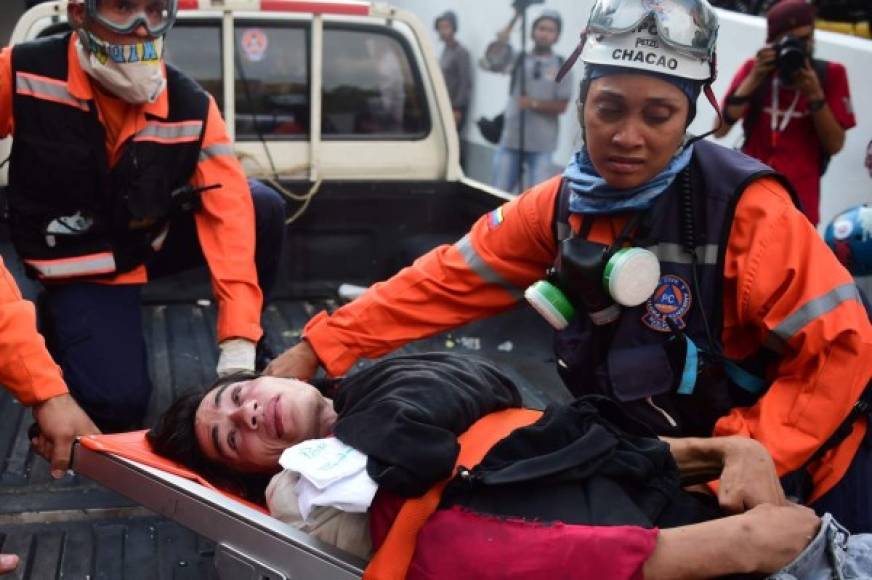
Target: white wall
479 21
846 183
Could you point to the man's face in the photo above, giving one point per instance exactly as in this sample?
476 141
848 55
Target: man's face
247 425
445 30
545 34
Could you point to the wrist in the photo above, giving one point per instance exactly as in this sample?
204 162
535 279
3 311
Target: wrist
56 392
737 99
815 104
698 457
53 399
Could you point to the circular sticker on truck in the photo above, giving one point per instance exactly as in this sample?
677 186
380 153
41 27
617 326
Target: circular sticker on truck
254 43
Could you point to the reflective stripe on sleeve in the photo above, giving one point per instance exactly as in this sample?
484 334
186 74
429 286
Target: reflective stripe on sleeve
480 267
812 310
674 253
182 132
89 265
217 150
47 89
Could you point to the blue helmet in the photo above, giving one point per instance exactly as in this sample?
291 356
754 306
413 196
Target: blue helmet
850 237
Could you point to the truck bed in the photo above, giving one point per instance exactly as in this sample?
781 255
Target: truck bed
74 528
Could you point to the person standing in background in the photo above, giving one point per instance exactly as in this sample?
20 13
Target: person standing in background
540 103
456 67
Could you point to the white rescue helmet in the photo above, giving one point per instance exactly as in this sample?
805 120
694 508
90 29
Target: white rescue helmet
673 37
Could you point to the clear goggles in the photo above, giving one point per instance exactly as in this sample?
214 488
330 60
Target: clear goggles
126 16
688 26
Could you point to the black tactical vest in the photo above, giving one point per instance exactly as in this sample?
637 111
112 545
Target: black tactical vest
71 215
642 360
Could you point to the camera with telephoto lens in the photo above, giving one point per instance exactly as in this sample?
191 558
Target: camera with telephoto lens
521 5
790 55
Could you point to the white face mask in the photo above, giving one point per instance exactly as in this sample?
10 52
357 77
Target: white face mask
132 72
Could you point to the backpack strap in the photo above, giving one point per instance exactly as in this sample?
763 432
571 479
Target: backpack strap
393 558
798 484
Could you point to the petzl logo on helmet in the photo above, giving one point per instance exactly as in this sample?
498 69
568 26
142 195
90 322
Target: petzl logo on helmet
671 300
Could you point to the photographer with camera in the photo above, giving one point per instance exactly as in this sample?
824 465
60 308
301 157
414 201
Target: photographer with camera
794 109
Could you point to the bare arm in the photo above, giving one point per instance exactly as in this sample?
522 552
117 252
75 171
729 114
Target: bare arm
763 540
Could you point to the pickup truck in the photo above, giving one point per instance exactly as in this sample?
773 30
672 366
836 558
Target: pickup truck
342 103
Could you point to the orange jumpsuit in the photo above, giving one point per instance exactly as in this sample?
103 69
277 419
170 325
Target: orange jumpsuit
779 283
26 368
225 223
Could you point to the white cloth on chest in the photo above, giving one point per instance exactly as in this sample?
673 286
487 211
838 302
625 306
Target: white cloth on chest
331 474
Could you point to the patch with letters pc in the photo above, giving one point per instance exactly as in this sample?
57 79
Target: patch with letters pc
671 301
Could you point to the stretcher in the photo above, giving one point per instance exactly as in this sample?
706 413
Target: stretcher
249 543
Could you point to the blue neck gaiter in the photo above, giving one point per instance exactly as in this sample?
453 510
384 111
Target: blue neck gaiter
592 195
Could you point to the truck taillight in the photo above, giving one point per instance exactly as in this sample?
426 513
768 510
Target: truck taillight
346 7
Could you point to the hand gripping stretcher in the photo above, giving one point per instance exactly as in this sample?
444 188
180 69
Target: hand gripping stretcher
249 543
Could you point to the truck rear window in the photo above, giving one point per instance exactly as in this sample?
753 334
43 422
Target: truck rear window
195 48
272 80
370 88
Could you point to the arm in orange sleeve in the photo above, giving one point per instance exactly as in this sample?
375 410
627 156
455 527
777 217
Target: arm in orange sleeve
484 273
26 368
6 91
225 226
785 289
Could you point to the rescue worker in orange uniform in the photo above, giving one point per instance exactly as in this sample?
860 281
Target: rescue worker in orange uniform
704 301
122 169
28 371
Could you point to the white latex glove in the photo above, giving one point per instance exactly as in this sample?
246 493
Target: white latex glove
237 354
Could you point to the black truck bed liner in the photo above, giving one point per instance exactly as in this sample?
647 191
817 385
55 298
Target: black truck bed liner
354 233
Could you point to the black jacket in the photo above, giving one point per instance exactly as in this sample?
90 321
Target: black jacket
405 413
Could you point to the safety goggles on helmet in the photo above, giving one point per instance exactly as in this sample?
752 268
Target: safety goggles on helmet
126 16
688 26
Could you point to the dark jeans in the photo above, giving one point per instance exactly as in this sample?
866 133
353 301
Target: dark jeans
95 331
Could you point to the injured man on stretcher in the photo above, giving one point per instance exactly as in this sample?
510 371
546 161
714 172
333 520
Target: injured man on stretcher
427 465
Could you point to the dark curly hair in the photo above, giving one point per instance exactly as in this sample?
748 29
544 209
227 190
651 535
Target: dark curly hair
174 437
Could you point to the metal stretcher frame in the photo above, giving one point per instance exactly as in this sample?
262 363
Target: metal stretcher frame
249 544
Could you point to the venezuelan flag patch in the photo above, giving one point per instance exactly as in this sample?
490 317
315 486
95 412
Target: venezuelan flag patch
495 218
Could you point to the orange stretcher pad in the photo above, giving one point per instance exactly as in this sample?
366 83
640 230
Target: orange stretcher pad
135 446
249 543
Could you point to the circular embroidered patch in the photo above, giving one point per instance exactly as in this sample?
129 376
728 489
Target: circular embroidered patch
671 300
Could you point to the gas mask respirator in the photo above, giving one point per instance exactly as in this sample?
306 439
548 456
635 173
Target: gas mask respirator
595 278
